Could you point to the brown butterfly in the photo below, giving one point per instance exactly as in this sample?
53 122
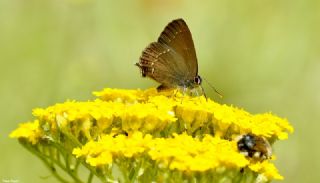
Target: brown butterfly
172 60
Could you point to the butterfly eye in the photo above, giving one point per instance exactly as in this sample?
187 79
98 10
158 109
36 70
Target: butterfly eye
197 80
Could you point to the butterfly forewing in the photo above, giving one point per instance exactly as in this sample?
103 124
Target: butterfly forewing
178 36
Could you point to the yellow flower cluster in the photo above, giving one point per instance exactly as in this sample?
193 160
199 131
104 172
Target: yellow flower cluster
198 112
94 118
149 112
175 131
180 152
29 131
267 169
185 153
101 152
242 122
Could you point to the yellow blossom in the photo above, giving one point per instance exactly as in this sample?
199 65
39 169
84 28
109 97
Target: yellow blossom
185 153
29 131
152 111
267 169
120 95
156 131
102 152
130 96
181 152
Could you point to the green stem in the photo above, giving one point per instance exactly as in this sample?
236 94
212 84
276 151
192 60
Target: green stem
76 166
65 154
43 158
90 177
63 151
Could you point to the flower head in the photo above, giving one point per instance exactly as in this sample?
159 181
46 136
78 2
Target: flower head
29 131
266 169
153 132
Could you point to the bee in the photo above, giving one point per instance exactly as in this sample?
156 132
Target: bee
254 146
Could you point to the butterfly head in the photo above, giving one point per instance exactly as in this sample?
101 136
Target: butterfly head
197 80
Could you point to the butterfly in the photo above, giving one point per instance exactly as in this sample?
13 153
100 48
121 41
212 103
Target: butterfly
172 60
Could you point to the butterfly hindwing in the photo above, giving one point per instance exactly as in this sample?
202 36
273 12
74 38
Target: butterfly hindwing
161 63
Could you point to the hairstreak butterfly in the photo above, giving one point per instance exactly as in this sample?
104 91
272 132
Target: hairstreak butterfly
172 60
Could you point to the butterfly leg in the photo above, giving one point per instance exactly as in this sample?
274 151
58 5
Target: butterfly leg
204 93
175 93
196 92
184 92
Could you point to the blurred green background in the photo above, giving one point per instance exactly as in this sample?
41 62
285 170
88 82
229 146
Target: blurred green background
262 55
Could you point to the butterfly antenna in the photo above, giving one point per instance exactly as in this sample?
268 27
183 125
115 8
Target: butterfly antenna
213 88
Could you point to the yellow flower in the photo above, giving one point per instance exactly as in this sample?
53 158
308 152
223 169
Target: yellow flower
102 159
241 122
79 117
149 111
132 145
270 125
96 153
147 117
194 112
156 130
186 153
181 152
267 169
29 131
131 96
120 95
102 152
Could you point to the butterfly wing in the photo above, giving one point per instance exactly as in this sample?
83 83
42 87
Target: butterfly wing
172 60
161 63
178 36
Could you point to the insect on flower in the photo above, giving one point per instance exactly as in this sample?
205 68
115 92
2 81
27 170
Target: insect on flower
172 60
254 146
